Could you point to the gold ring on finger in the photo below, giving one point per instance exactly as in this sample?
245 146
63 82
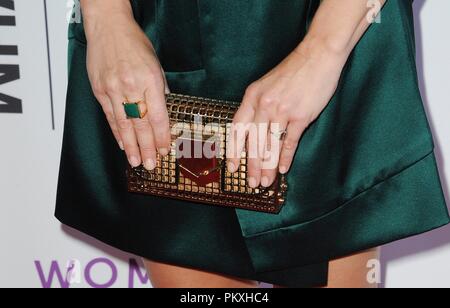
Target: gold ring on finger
135 110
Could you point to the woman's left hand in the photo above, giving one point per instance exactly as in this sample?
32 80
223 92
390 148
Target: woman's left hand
287 99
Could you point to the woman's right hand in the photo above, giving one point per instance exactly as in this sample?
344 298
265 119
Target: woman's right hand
123 66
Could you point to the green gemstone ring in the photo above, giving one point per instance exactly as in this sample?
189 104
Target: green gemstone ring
136 110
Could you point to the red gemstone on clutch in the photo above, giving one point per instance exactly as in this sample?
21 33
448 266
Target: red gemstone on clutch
198 161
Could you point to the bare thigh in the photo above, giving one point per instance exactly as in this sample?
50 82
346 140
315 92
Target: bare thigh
348 272
352 271
169 276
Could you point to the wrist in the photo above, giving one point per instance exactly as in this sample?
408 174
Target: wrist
100 8
99 15
324 50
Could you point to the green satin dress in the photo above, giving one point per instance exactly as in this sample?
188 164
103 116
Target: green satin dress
364 175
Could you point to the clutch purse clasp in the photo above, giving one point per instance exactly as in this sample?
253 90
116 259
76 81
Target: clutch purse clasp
195 170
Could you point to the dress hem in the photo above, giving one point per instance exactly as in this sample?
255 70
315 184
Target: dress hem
395 204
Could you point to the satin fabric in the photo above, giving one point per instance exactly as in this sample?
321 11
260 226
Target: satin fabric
364 174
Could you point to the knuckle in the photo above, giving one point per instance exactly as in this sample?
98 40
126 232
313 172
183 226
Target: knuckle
161 142
124 124
141 125
131 147
303 118
267 100
286 157
284 161
252 90
98 89
148 149
254 164
159 119
150 77
127 80
290 145
155 71
109 115
111 85
153 78
238 119
252 172
283 108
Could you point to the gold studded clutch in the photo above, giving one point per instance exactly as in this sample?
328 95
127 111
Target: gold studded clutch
195 169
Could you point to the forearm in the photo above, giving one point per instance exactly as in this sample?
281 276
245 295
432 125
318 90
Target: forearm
337 27
98 12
